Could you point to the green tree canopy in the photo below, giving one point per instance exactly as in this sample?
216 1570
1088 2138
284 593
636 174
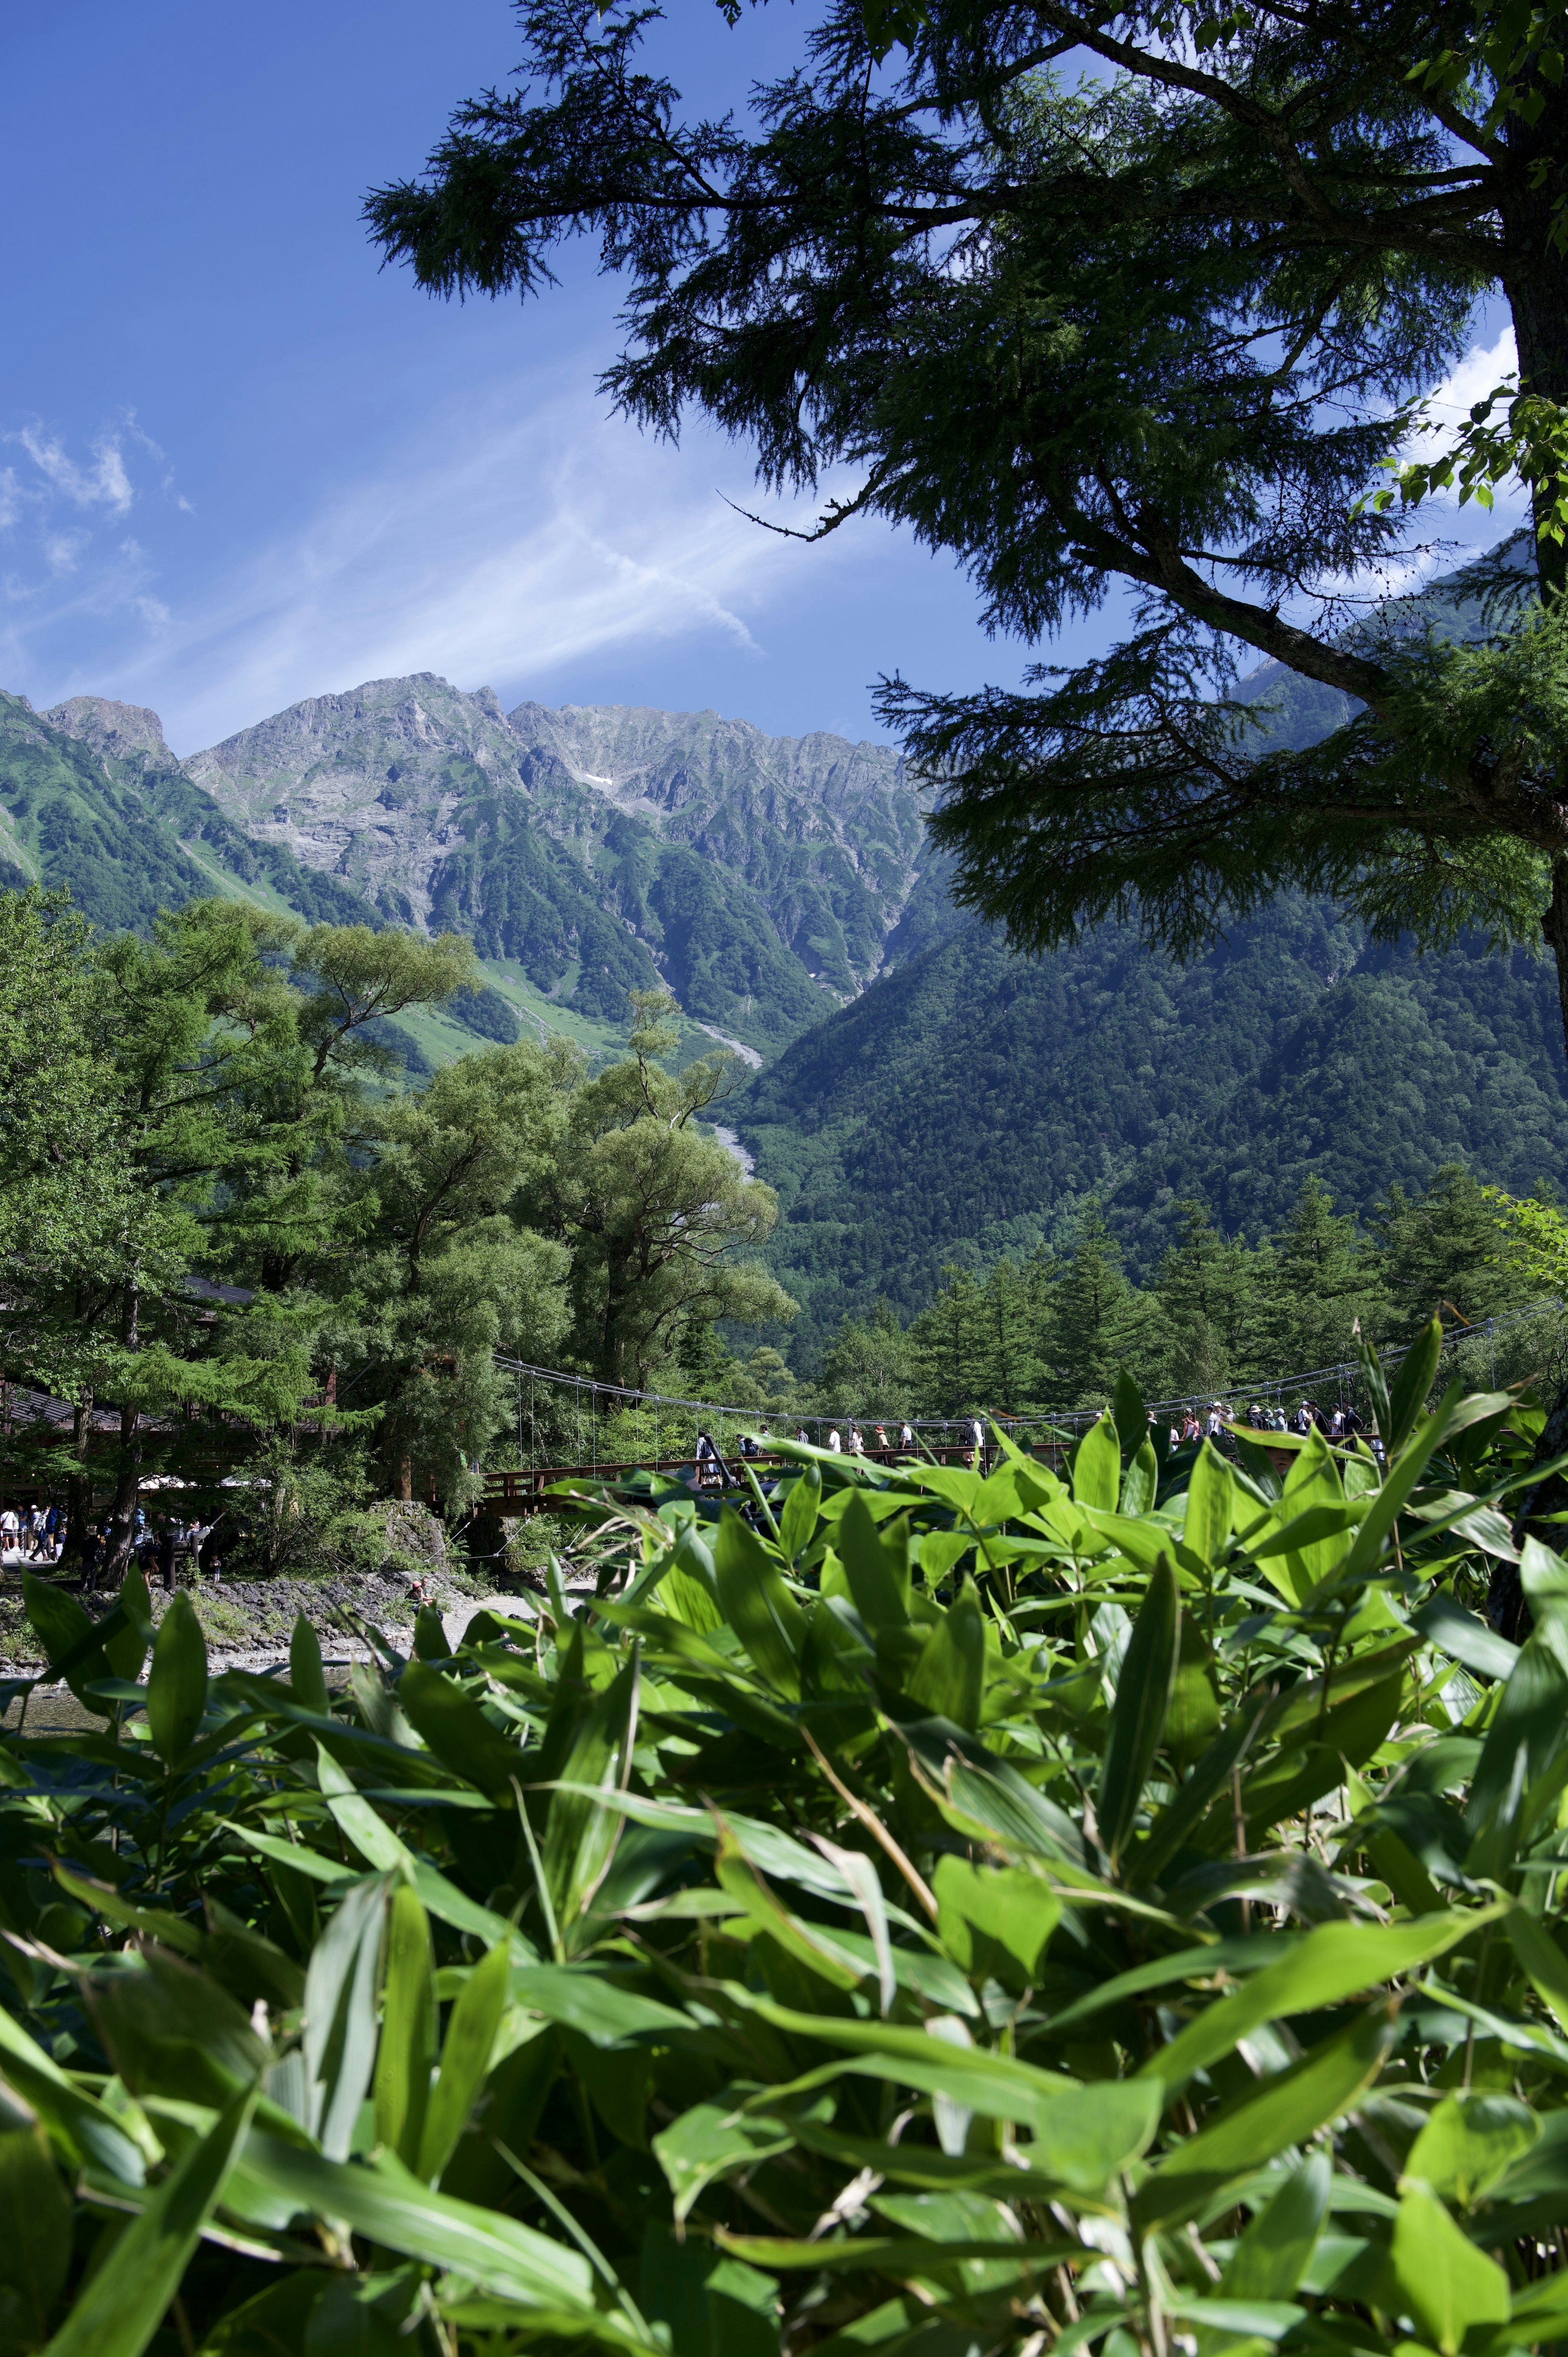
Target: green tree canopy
1153 328
655 1213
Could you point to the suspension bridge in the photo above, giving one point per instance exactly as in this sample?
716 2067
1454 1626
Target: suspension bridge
584 1412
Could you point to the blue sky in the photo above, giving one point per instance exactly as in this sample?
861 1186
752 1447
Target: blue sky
240 465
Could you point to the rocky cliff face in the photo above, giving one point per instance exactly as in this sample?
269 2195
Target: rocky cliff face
365 786
119 732
602 848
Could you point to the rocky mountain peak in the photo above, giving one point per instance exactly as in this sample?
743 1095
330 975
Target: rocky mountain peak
117 731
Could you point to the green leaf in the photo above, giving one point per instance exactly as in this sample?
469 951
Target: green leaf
405 2054
177 1684
1143 1699
1192 1721
798 1519
66 1632
173 2031
711 2140
584 1999
125 2302
981 1910
430 1640
1392 1494
465 2058
1141 1480
1465 1638
152 1922
307 1676
35 2256
948 1672
1416 1376
340 2013
457 1730
1210 1505
1543 1961
1468 2144
1446 2283
877 1569
363 2315
1087 2136
81 2127
757 1605
1177 1819
1272 2256
917 2257
980 2080
1528 1724
1097 1467
390 2206
580 1833
296 1857
1333 1963
1128 1413
371 1835
809 1944
126 1652
1288 2109
1312 1483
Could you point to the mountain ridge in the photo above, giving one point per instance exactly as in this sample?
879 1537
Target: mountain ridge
917 1091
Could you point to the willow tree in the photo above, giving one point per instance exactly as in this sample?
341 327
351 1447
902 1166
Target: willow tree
1131 309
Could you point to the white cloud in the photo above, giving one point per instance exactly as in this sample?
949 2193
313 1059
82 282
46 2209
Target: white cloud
103 484
1483 368
494 547
63 550
1480 372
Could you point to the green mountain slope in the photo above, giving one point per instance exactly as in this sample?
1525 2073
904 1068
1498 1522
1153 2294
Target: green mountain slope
968 1105
92 798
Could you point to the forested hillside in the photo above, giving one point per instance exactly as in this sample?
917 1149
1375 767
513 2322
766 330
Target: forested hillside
92 798
971 1103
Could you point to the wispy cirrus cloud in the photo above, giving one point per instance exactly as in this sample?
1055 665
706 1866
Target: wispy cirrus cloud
493 546
104 482
67 566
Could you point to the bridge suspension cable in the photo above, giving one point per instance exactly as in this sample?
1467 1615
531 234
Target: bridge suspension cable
1344 1377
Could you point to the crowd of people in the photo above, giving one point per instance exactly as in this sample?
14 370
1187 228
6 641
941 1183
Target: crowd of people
162 1543
1340 1424
31 1533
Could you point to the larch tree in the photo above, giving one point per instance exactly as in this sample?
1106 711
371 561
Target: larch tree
1126 308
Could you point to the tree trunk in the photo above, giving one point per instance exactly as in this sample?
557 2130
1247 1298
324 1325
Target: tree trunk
128 1489
405 1481
1554 926
1535 279
79 1488
128 1480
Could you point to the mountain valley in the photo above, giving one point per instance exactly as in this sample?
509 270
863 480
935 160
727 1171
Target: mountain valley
916 1093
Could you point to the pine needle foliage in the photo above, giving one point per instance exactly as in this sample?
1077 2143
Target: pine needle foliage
1156 329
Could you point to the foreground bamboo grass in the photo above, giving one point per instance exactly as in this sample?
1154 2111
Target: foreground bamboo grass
932 1913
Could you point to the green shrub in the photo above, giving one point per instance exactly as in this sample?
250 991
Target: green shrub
938 1913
